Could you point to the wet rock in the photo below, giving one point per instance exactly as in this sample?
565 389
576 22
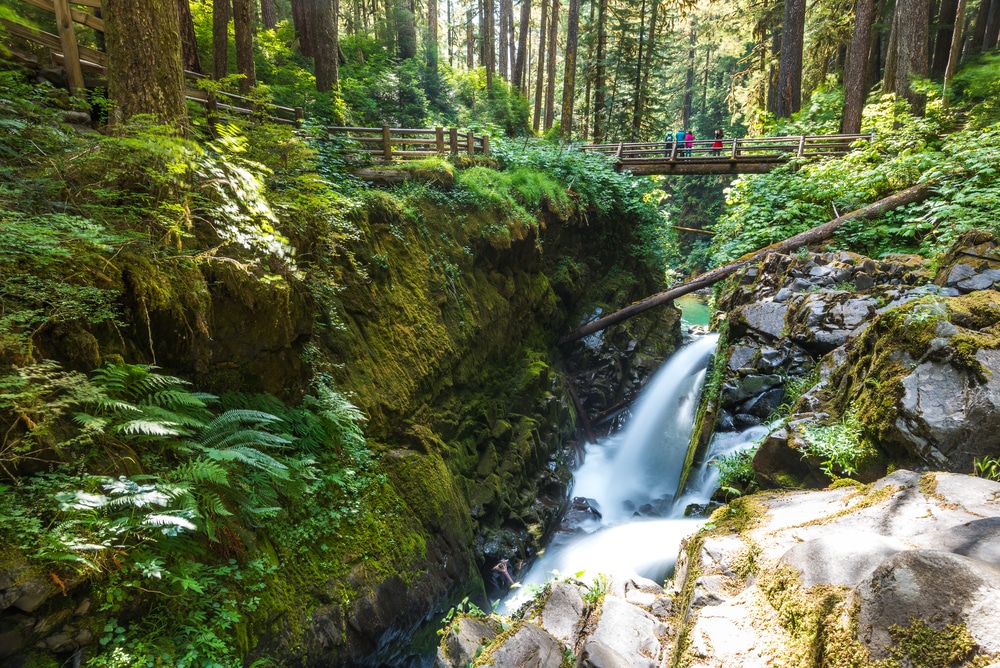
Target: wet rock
764 405
530 647
562 615
777 464
709 590
596 654
743 421
843 558
979 539
459 645
741 389
740 357
630 631
938 588
586 505
763 318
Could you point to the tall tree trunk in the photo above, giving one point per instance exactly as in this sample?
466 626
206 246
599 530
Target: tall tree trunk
470 42
942 41
243 28
550 85
145 75
911 55
647 66
540 79
874 74
432 35
489 45
891 54
772 71
588 77
979 31
688 104
268 14
450 36
569 71
600 78
955 52
520 65
790 69
637 85
300 18
189 44
221 13
406 29
511 41
992 27
855 74
323 23
505 9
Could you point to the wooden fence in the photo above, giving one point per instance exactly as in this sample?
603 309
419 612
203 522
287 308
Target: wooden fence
386 144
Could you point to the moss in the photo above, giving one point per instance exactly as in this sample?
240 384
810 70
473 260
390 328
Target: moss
922 646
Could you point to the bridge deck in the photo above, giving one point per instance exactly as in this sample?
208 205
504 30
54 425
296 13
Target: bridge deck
752 155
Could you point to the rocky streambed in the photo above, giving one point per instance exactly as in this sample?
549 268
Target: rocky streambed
886 556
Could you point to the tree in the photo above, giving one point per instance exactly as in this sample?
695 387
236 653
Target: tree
955 51
550 85
221 13
432 34
942 41
243 28
323 24
600 76
519 78
540 79
268 14
790 67
489 45
992 26
569 73
145 75
979 30
189 44
300 18
912 24
855 75
406 29
505 11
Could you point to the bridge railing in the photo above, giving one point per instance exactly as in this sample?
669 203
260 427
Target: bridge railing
387 144
778 148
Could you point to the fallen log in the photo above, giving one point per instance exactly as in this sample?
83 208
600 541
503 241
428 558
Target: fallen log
917 193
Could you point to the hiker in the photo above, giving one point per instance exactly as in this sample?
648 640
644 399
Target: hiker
679 136
688 142
717 144
668 143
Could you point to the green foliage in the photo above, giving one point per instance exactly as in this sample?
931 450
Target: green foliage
987 467
597 590
841 446
736 474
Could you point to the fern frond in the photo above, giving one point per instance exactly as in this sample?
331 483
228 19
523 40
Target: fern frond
250 457
236 418
90 423
170 525
203 471
247 437
148 428
212 504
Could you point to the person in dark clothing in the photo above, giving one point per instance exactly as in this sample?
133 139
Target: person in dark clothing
717 144
668 143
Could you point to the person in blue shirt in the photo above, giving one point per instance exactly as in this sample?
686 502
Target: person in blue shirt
679 138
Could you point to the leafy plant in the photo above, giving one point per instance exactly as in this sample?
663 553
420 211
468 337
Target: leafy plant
840 446
987 467
597 590
736 472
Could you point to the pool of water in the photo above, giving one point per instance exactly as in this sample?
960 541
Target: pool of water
694 309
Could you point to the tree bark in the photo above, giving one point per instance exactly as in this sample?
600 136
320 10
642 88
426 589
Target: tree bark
942 40
992 27
874 74
300 18
600 82
637 85
569 71
432 35
470 42
323 24
955 52
911 51
550 85
891 54
855 75
221 13
540 79
506 7
520 65
645 65
189 44
687 106
917 193
790 68
243 28
268 14
145 75
489 45
979 31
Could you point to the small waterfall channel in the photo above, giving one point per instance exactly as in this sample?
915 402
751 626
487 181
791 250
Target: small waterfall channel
632 520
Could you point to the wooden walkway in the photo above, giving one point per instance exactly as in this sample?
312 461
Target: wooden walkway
737 156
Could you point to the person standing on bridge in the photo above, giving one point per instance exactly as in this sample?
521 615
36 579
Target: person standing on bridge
668 143
688 143
717 144
679 136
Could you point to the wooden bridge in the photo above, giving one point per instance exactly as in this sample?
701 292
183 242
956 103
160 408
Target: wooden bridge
736 156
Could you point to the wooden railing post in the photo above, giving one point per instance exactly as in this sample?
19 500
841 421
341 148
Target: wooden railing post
439 139
300 115
486 146
735 143
71 52
673 149
802 145
470 143
386 146
453 140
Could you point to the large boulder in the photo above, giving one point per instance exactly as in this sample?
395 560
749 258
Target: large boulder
529 647
463 641
563 613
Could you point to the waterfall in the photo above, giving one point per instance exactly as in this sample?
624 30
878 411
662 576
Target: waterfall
631 479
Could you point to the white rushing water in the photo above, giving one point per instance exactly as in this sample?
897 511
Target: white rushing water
633 475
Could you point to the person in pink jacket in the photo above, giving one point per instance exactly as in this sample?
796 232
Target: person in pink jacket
689 142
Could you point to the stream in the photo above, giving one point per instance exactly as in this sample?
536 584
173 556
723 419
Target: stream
627 516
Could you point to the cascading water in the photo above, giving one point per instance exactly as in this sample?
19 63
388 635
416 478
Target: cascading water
631 479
